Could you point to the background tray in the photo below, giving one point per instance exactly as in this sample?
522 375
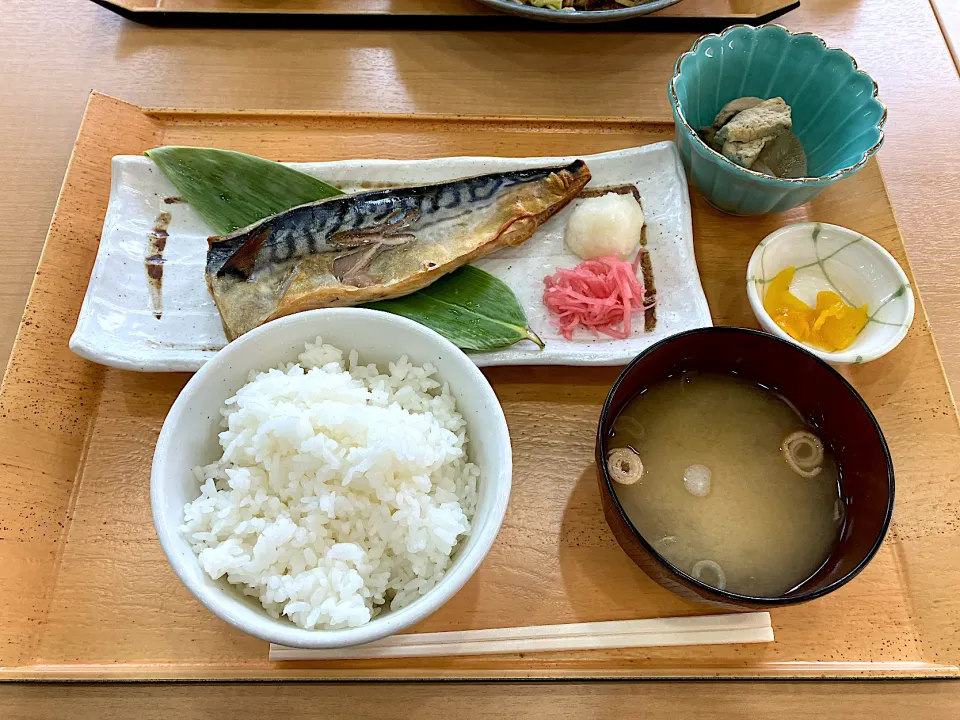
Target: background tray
85 592
687 15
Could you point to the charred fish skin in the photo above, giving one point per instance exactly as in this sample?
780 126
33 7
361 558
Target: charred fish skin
378 244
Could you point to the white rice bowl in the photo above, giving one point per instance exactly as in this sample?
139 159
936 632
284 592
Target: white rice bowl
342 491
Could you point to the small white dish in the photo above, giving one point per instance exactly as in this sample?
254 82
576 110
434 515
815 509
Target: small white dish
189 438
830 257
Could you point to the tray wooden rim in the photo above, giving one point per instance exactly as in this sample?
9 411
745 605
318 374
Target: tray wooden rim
161 112
212 671
177 672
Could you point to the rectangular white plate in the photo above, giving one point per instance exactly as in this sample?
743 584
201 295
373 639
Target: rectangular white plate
118 326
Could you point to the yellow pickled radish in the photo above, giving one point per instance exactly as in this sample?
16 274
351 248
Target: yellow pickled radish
837 324
832 325
779 295
790 313
794 323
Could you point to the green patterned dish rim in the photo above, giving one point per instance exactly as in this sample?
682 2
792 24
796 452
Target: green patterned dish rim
867 154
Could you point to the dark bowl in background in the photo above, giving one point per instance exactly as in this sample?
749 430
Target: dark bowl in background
580 16
828 403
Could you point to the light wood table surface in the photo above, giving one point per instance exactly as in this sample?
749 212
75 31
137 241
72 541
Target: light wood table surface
948 15
53 52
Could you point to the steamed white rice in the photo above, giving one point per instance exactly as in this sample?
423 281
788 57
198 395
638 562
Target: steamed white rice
340 491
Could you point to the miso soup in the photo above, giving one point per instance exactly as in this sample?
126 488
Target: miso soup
727 482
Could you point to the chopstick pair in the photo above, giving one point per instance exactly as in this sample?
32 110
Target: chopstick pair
657 632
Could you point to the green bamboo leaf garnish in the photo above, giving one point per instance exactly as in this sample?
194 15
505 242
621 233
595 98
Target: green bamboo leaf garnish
230 190
470 307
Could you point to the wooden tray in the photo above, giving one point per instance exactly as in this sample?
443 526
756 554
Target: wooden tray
86 593
688 15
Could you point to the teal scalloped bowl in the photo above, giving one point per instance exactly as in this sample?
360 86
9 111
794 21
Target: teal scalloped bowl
836 113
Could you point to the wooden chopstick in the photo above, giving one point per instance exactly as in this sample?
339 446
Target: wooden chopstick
657 632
